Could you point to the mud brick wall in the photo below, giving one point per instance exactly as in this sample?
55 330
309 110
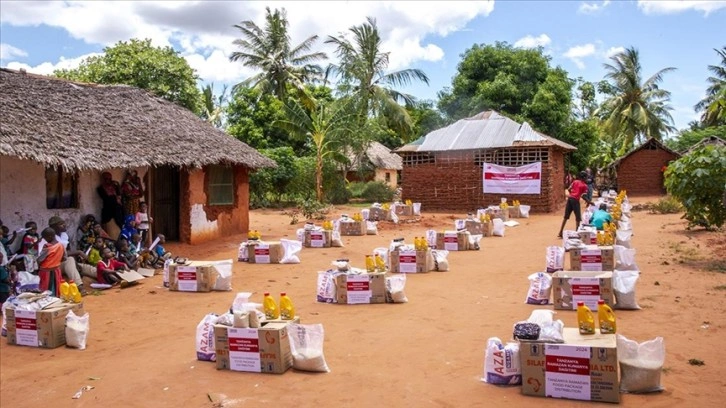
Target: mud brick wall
454 183
639 173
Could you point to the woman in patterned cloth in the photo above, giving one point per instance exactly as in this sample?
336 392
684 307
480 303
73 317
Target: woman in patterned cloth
132 191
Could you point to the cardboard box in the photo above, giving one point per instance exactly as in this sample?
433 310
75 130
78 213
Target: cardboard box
410 261
352 289
588 235
378 214
353 228
474 227
42 328
592 258
514 212
403 209
318 239
570 287
452 240
498 212
268 252
585 367
263 350
195 277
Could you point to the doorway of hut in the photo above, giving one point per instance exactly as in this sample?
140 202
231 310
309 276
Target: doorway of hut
165 201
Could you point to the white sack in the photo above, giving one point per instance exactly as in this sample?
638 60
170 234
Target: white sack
501 363
540 288
640 364
555 258
290 251
76 330
497 227
624 287
306 344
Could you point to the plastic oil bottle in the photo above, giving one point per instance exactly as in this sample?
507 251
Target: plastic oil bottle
73 292
585 319
606 318
65 290
380 263
370 264
287 310
270 306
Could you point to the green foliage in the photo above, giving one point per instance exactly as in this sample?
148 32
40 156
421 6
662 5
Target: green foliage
275 181
160 70
690 137
378 191
356 189
713 106
698 181
666 205
213 106
425 118
550 107
311 209
584 136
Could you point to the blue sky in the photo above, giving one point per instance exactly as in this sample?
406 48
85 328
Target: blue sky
578 36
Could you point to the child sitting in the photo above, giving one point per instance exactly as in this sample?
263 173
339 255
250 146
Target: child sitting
50 258
94 255
107 267
86 235
129 228
126 256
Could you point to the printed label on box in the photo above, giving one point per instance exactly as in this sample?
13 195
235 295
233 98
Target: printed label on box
244 350
186 276
585 290
567 371
407 262
317 240
591 259
26 328
451 241
262 253
359 289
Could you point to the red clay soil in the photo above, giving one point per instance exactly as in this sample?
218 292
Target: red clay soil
425 353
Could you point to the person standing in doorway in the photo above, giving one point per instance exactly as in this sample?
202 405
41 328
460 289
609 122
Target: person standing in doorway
577 190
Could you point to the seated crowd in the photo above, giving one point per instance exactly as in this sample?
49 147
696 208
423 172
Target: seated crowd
95 255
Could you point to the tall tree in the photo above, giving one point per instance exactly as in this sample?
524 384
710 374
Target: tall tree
362 73
269 50
713 105
213 106
636 109
160 70
324 125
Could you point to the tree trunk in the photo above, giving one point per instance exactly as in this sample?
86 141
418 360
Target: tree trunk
319 176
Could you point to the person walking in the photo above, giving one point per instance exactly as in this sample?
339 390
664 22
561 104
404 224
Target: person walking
578 189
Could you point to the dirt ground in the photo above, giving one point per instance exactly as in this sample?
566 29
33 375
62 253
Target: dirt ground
425 353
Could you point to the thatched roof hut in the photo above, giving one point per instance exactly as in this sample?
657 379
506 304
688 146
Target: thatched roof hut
81 126
378 155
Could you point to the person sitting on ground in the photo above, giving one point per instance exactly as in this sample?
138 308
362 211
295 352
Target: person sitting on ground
577 190
29 246
94 255
601 216
126 256
86 235
98 231
107 268
129 228
159 248
72 267
52 255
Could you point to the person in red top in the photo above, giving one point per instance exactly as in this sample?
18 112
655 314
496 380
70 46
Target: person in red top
107 267
50 258
578 189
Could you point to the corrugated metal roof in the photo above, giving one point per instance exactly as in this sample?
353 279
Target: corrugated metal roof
486 130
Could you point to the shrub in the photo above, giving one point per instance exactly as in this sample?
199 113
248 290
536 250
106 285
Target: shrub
311 209
378 191
356 189
698 181
666 205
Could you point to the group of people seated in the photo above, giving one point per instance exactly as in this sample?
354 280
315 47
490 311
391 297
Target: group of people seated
97 255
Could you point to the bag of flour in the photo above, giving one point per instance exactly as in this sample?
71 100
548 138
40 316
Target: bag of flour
501 363
371 228
441 262
540 288
394 289
243 254
416 208
224 275
640 364
290 250
624 258
76 330
205 338
497 227
524 210
622 237
326 292
306 345
624 288
555 259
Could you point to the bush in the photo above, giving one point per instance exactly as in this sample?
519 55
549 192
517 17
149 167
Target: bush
666 205
378 191
698 181
311 209
356 189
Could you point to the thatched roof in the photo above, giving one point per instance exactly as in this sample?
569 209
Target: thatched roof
651 144
707 141
380 157
486 130
79 126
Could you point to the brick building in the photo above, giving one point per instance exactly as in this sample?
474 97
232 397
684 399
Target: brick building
443 170
640 172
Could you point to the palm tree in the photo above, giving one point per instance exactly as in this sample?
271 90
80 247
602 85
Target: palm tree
636 109
713 105
362 73
269 51
324 124
213 108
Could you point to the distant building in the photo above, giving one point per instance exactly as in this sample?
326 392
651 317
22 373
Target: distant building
376 163
640 172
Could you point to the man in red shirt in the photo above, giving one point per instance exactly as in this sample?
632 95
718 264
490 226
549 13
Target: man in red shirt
578 189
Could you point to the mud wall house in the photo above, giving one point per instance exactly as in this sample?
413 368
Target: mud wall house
57 136
444 169
376 163
640 172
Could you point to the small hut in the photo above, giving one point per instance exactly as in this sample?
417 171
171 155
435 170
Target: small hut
57 136
444 169
376 163
707 141
640 172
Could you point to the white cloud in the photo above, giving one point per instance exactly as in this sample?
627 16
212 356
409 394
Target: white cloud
613 50
205 29
47 68
529 41
8 52
592 8
673 7
577 53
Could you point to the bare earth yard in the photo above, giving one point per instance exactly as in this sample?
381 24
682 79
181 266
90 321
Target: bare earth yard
425 353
